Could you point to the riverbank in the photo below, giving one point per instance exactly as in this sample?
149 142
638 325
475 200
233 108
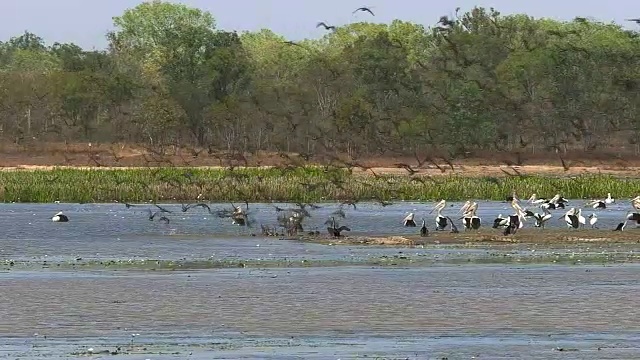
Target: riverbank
304 184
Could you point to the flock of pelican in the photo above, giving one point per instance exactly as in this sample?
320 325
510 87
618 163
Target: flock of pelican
511 223
291 219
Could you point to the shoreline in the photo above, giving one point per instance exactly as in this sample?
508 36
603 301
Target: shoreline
426 171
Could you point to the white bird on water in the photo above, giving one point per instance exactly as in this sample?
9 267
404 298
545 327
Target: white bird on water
408 220
593 219
60 217
609 199
597 204
441 220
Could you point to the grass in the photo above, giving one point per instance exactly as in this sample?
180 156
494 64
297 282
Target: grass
301 184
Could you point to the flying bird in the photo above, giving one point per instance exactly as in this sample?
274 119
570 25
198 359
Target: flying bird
637 21
327 27
364 9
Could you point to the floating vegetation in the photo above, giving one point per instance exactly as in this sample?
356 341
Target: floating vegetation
296 184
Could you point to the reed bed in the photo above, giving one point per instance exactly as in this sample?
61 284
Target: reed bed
273 184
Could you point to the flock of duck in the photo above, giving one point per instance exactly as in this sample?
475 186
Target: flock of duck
511 223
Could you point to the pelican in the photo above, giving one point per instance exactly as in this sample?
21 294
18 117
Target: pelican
620 226
465 207
534 199
581 219
635 202
597 204
60 217
441 220
593 219
423 230
500 221
633 216
520 215
408 220
571 218
515 223
470 219
541 219
609 199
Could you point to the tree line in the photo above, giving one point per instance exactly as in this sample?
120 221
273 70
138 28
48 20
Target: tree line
479 82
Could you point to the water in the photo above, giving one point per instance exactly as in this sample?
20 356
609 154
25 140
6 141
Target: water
495 311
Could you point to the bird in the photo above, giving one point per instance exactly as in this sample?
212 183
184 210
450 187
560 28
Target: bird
500 221
335 232
511 197
470 219
60 217
408 220
327 27
534 199
620 226
541 219
597 204
186 207
609 200
364 9
571 219
633 216
153 214
593 219
454 228
441 220
637 21
581 219
423 230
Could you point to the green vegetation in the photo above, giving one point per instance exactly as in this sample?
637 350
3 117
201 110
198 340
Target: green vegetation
301 184
480 83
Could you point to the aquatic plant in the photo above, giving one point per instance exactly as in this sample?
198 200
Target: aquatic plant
299 184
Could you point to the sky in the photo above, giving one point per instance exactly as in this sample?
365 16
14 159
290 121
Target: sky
85 22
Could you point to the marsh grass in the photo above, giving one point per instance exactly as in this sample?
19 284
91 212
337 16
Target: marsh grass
273 184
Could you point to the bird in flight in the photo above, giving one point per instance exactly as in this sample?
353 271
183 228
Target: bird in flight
364 9
323 24
637 21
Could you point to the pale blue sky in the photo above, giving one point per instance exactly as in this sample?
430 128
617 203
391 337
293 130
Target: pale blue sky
85 22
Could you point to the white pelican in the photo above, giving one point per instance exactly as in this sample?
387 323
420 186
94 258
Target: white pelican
441 220
534 199
633 216
581 219
571 218
635 202
609 199
593 219
500 221
541 219
470 219
423 230
408 220
60 217
597 204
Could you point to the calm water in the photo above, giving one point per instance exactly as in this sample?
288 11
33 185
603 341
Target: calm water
486 311
458 312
